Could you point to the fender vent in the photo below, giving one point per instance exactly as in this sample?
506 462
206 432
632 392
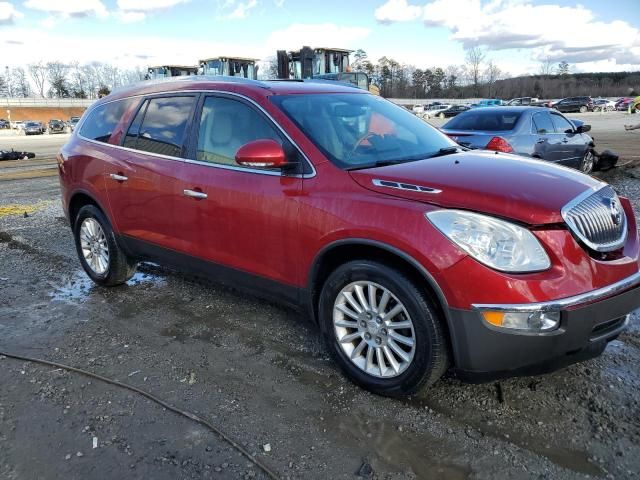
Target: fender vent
404 186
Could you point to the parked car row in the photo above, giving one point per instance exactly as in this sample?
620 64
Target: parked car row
33 127
580 104
412 253
439 110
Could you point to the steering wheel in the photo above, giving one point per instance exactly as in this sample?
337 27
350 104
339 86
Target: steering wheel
362 139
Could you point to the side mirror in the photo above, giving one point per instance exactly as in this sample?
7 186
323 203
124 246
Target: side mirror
583 128
262 154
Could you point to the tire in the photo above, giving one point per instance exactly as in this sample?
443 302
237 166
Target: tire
588 162
583 109
441 116
421 365
118 267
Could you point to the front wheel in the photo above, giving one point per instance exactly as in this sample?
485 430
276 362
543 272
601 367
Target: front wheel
382 329
100 255
583 109
588 162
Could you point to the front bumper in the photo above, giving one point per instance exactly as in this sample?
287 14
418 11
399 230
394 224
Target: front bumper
588 322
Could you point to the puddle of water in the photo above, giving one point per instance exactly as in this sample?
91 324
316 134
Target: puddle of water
79 287
395 450
575 460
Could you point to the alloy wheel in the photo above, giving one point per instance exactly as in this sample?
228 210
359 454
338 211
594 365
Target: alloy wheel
93 243
374 329
588 162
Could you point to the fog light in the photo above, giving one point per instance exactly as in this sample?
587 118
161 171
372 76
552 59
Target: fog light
531 321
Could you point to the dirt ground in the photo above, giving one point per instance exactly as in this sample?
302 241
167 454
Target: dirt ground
260 373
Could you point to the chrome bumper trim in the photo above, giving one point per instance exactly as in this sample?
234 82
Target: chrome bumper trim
588 297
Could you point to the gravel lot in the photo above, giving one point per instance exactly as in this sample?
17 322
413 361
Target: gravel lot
259 372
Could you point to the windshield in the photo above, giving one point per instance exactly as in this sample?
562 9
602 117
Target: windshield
360 130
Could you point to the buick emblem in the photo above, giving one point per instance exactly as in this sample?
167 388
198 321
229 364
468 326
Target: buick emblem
614 210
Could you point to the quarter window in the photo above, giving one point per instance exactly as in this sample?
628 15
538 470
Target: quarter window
161 126
103 119
225 126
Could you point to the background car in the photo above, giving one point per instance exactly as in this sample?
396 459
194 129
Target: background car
529 131
574 104
435 110
4 123
33 128
56 126
492 102
453 111
603 105
71 124
418 109
522 101
622 104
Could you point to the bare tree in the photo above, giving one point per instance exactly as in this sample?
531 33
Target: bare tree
492 73
19 83
57 76
38 74
563 69
4 86
473 62
546 66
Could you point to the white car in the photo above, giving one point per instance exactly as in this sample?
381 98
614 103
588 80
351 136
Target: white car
418 109
603 105
435 111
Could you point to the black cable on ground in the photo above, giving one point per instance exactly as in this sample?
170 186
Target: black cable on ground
192 416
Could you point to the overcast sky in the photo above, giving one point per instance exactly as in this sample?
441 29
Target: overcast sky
596 35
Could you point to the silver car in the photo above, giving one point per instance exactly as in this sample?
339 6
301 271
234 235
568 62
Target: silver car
529 131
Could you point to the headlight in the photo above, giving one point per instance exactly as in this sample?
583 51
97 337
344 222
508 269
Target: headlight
498 244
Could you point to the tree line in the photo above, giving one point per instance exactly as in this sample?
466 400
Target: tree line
479 76
61 80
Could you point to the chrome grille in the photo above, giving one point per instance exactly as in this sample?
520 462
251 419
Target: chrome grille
597 219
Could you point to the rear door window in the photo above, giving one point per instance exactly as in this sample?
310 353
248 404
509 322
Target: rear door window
562 125
103 119
161 126
542 123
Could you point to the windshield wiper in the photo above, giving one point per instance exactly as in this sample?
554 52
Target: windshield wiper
379 163
446 151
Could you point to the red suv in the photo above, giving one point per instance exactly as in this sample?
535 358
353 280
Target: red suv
412 254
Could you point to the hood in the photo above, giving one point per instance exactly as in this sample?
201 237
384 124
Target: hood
526 190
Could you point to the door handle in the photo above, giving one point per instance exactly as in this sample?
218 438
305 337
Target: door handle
541 140
195 194
118 177
564 140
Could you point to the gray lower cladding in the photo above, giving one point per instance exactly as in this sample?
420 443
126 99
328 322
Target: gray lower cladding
496 352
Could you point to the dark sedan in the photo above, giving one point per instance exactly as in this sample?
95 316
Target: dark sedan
453 111
56 126
528 131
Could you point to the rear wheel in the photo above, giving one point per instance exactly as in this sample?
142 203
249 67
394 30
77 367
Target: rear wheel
382 329
588 162
583 109
100 255
442 116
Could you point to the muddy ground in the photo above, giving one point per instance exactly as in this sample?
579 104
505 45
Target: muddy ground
259 372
